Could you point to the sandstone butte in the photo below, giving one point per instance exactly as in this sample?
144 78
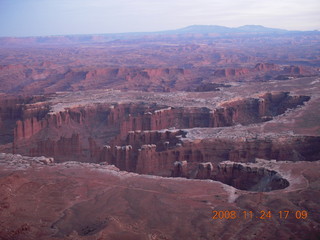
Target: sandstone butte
194 141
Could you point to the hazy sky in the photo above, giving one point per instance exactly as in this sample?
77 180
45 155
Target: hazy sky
54 17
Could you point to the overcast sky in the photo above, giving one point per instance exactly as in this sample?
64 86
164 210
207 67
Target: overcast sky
57 17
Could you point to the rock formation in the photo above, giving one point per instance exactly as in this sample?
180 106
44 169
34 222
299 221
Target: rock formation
79 133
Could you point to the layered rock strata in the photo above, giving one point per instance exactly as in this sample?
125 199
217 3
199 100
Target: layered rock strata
81 132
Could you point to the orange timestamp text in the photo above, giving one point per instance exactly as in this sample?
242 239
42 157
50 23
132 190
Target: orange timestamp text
263 214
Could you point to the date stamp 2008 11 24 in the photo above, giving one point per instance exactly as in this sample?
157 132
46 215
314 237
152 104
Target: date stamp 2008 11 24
263 214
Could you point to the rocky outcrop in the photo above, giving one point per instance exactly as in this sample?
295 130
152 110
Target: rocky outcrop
250 177
100 124
246 177
180 169
254 110
297 70
20 114
27 128
85 130
47 77
63 149
202 161
209 87
266 67
10 112
147 79
264 72
160 156
231 72
236 72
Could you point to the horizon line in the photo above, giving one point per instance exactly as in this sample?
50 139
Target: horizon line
160 31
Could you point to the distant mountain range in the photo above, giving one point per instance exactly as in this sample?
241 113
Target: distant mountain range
183 33
221 29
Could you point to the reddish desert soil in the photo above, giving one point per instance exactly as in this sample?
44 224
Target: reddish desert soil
87 201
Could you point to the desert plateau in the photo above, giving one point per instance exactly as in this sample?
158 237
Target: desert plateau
204 132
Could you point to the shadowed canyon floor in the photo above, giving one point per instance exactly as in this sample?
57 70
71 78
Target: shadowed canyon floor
197 136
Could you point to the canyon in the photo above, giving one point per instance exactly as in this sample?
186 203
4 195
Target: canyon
144 137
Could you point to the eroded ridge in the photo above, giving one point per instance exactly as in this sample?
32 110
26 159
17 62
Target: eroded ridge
81 132
249 177
158 139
